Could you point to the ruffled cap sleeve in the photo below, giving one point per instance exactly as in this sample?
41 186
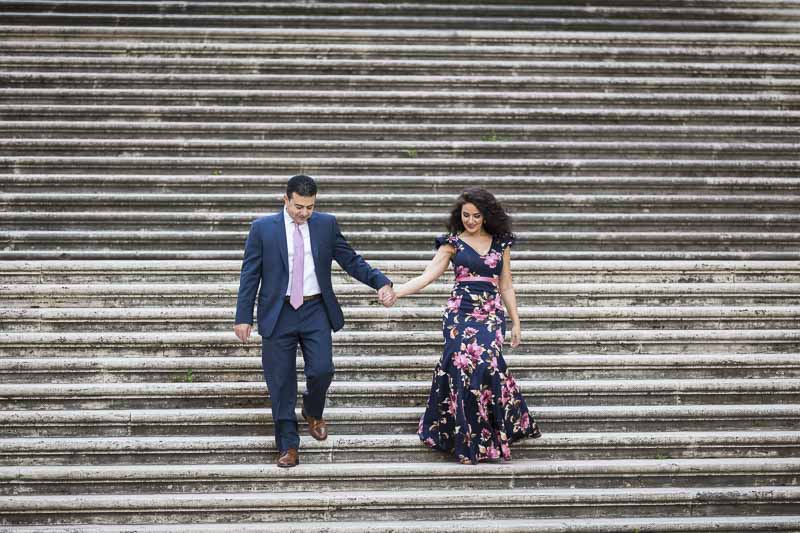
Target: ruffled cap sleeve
447 238
506 241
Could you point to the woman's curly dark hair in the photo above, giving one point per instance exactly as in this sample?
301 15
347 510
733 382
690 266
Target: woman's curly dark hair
497 221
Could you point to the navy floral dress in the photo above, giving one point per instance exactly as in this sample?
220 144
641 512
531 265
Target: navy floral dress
475 408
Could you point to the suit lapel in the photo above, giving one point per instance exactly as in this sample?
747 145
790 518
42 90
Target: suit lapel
283 247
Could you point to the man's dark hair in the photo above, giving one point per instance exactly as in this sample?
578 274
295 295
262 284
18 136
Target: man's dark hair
302 185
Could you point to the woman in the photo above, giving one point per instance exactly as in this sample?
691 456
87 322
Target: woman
475 409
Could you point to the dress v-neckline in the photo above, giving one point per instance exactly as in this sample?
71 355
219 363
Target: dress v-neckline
491 245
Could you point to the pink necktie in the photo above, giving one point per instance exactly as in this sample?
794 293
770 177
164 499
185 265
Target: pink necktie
296 294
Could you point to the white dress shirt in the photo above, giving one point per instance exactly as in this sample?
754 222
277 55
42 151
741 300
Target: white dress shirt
310 284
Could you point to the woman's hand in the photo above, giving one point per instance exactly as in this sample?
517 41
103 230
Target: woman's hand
516 335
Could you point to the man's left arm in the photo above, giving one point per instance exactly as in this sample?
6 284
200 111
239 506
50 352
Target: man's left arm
354 264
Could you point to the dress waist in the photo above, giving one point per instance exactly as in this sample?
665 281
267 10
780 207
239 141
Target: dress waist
464 279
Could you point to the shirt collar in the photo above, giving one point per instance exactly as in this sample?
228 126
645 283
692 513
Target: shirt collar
287 220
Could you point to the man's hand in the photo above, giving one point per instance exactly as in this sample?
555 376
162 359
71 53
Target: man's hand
387 296
243 331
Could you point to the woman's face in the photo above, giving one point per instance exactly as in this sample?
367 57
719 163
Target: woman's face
472 218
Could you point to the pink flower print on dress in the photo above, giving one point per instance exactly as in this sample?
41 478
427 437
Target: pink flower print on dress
488 307
475 351
498 337
470 332
453 304
451 408
494 363
486 434
483 403
478 315
505 451
492 259
462 271
498 303
492 452
524 421
509 388
461 360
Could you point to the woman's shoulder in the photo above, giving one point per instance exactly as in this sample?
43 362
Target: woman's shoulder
446 238
505 241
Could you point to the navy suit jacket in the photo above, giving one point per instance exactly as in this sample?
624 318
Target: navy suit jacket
266 263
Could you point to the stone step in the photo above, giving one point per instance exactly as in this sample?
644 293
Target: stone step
411 243
394 394
48 368
175 13
385 36
378 51
611 342
201 272
560 525
501 132
344 449
433 17
361 97
336 114
207 421
453 505
231 221
151 148
401 319
181 255
9 77
376 166
544 295
333 186
419 66
356 206
518 474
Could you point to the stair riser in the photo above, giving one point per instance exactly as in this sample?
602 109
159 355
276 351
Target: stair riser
523 299
264 427
787 244
719 83
432 100
229 274
20 487
138 223
416 399
607 347
408 324
400 116
410 135
369 513
677 212
393 67
744 11
520 451
422 374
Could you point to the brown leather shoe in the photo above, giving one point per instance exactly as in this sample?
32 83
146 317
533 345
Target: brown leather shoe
289 458
317 427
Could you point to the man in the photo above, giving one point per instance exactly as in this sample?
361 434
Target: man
289 255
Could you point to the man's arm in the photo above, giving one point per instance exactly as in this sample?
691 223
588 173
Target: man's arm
354 264
249 280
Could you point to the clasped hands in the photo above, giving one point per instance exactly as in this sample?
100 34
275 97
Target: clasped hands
387 296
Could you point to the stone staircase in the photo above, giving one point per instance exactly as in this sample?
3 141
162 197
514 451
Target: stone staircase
648 155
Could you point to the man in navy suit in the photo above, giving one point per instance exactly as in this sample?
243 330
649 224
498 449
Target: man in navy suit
289 255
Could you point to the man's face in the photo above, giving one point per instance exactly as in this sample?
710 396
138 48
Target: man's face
299 207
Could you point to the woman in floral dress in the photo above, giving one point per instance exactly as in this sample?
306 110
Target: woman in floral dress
475 408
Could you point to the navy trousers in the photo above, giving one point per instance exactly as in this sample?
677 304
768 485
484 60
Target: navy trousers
309 328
